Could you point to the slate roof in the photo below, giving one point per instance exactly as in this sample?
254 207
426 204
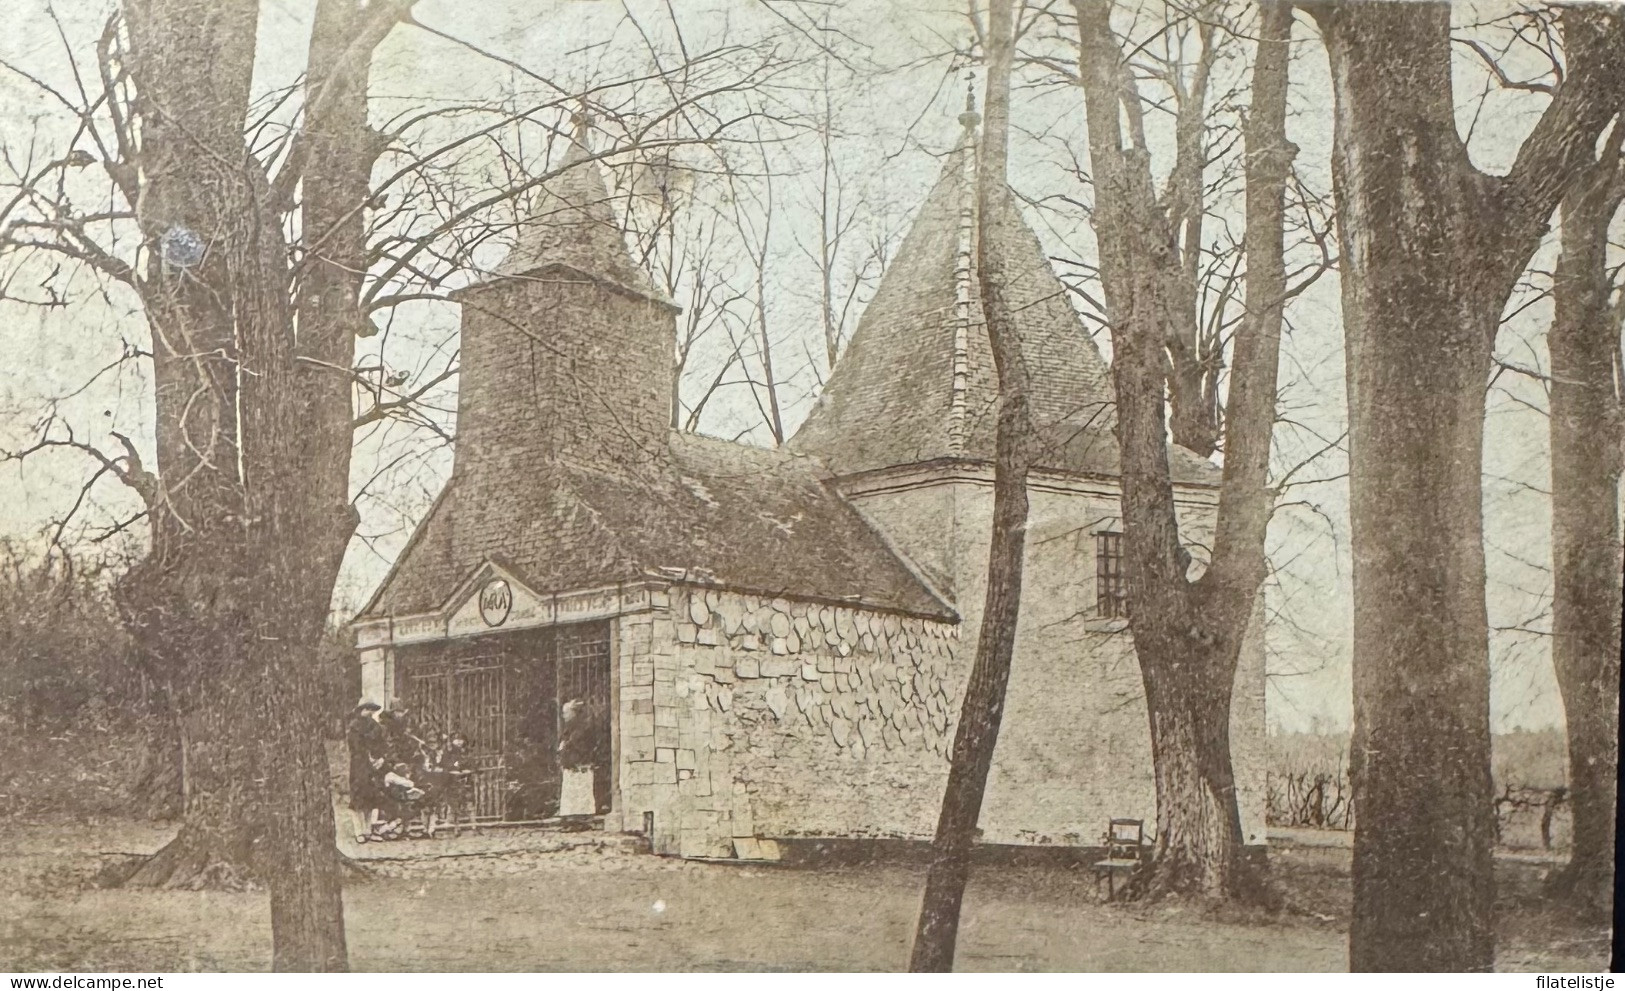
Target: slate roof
756 520
573 226
917 381
916 384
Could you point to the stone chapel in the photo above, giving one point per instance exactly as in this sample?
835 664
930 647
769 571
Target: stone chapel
771 644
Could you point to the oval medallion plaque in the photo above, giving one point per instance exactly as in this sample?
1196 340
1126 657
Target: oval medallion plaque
496 601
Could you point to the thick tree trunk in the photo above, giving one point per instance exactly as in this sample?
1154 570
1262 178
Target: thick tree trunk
1431 249
221 840
191 618
251 516
1187 657
1423 884
307 906
983 707
183 615
1418 330
1188 636
298 433
1199 839
192 90
1586 437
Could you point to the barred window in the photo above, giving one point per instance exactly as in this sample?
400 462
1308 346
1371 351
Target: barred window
1111 592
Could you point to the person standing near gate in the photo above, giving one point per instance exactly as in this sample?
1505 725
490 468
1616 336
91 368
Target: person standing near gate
459 768
584 756
364 737
576 761
400 742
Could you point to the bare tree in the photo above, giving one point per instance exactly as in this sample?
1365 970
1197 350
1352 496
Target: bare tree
1587 423
982 710
1188 633
714 239
248 510
847 264
754 210
690 251
265 250
1431 248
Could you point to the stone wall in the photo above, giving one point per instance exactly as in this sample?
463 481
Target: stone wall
744 717
1074 749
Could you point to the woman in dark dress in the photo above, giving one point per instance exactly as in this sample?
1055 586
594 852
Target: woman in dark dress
365 739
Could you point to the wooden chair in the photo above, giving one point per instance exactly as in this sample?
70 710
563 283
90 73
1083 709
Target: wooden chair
1125 853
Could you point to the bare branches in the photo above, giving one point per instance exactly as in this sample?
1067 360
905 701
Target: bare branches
1244 500
1586 98
402 404
1493 63
74 243
1284 481
127 467
404 249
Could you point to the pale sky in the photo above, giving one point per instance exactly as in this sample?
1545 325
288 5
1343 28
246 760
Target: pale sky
895 115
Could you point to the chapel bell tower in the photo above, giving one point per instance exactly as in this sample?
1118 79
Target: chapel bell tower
566 346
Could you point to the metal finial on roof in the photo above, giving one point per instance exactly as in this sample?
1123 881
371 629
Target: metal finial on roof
970 118
582 121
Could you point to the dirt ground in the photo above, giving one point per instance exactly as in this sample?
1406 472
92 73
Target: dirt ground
600 908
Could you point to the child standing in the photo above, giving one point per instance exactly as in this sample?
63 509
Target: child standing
458 765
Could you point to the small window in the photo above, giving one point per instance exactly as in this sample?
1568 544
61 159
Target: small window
1111 592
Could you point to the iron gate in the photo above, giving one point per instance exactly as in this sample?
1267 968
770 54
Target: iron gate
503 692
583 665
467 695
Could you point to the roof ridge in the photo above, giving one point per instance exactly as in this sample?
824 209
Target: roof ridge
964 265
784 455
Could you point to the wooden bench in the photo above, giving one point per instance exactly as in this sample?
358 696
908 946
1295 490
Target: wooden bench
1125 853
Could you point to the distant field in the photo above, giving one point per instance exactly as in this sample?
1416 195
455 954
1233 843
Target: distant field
1308 784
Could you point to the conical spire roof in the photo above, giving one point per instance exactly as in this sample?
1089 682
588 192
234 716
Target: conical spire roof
573 226
917 381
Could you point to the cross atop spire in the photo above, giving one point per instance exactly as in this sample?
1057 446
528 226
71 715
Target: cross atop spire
970 118
582 123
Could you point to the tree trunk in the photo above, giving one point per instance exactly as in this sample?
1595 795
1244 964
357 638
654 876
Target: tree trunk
1431 249
1188 636
1586 439
192 90
296 459
1199 839
160 787
220 843
981 711
185 617
1419 324
307 905
252 514
1418 330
